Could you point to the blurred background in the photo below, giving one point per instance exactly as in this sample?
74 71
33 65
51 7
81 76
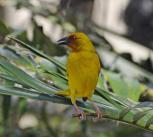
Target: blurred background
121 30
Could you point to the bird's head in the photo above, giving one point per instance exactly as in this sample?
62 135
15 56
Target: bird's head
77 41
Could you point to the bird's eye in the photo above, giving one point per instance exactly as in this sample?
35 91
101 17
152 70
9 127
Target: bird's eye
73 37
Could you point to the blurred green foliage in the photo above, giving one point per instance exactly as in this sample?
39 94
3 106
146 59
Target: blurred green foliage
55 120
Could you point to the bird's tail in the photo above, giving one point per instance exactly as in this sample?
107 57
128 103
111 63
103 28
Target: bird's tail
63 92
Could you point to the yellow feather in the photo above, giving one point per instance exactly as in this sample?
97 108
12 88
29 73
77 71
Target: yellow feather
83 67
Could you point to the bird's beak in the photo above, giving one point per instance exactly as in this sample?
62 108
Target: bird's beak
63 41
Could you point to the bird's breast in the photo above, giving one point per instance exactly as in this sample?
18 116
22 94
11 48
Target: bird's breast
83 62
83 70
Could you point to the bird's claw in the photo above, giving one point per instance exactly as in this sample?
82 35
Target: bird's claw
99 115
81 115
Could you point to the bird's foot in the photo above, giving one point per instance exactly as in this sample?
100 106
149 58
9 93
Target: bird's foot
99 114
79 113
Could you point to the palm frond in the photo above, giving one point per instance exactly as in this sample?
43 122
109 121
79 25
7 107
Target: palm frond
112 105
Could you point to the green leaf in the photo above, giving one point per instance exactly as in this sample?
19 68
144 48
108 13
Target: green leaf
140 114
17 57
26 79
112 105
37 52
149 122
125 87
28 93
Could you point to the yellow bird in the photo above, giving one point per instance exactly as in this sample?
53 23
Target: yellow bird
83 68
